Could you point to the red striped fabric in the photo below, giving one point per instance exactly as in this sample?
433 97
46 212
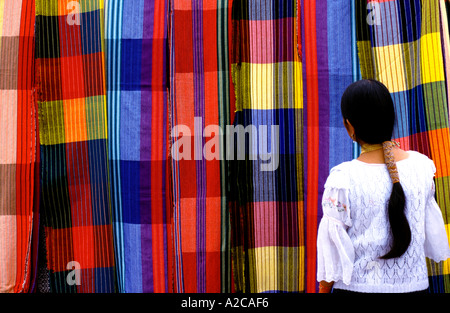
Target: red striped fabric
197 100
19 155
312 141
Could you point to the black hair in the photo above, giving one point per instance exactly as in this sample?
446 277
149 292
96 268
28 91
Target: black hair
368 106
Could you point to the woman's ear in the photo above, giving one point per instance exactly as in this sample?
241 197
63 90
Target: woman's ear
347 123
350 129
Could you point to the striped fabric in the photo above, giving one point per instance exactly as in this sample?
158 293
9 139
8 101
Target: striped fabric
329 69
400 44
199 107
444 8
135 177
289 69
266 204
72 129
19 215
136 63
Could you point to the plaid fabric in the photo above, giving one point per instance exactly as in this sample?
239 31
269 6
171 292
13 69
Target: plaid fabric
72 127
444 8
266 207
136 63
199 99
403 49
110 199
19 215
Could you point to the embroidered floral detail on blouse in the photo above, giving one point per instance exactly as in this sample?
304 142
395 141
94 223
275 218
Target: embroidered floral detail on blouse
334 203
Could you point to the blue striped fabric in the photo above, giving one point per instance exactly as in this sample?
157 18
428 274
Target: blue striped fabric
136 42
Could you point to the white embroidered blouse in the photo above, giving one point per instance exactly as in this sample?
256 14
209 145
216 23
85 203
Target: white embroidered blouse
354 231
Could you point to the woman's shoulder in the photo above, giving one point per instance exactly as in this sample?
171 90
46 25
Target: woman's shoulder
419 163
341 167
418 155
339 175
420 159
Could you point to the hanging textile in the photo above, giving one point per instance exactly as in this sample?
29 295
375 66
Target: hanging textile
444 8
226 106
199 108
136 66
266 184
19 158
400 44
72 128
328 67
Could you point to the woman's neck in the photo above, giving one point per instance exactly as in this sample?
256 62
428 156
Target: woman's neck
377 156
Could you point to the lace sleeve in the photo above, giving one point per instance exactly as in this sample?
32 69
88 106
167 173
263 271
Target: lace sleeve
335 253
436 240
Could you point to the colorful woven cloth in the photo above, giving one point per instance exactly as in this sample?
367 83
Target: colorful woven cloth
329 69
141 176
199 106
444 8
72 128
136 63
400 44
19 214
266 204
290 69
